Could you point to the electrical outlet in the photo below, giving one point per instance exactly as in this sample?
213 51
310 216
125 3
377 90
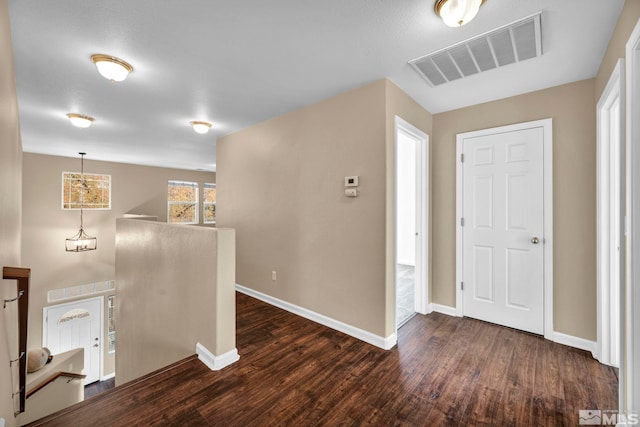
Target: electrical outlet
274 275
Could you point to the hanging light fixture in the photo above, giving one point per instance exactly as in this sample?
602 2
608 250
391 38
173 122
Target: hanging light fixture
81 241
456 13
111 68
200 127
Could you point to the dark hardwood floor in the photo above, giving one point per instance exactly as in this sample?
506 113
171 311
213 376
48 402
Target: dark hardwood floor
98 387
293 372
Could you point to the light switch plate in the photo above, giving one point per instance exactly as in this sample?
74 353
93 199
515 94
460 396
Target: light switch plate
351 192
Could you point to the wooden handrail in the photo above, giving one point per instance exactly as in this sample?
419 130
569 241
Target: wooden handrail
52 378
22 276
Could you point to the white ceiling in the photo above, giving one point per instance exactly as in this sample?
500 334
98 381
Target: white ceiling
239 62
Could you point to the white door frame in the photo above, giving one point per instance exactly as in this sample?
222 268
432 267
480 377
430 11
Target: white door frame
422 208
610 219
546 125
629 391
45 319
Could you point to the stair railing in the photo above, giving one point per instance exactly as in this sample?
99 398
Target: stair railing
22 299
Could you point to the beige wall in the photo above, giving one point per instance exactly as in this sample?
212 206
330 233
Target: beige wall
398 104
572 108
281 186
10 213
176 287
135 189
616 49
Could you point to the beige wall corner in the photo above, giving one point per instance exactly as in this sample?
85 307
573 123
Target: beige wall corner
225 311
281 186
398 103
169 294
627 21
572 108
10 212
135 190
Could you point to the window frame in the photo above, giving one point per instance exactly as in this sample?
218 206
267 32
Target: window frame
84 206
111 326
192 184
205 203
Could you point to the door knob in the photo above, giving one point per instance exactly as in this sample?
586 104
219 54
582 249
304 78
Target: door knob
95 345
535 240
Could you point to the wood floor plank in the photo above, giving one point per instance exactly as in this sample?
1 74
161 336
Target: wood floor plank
445 371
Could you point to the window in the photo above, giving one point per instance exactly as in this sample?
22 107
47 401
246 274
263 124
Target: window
96 194
209 203
182 202
111 331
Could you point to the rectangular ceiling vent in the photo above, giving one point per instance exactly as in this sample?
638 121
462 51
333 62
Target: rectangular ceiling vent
511 43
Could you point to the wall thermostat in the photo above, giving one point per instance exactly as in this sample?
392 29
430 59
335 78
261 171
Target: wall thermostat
350 181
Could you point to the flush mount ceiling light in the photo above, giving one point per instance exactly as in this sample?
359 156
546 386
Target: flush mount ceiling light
111 68
79 120
81 241
200 127
456 13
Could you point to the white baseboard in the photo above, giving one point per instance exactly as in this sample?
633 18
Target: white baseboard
213 362
108 376
557 337
444 309
576 342
382 342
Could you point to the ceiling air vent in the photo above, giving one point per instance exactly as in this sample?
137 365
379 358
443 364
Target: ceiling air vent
511 43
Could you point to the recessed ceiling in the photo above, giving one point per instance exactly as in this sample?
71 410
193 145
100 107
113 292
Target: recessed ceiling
236 63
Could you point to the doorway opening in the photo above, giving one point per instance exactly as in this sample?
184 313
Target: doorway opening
411 184
610 263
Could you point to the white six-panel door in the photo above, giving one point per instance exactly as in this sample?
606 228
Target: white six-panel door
503 229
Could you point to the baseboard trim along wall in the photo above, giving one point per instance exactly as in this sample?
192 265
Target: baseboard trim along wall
108 376
576 342
444 309
213 362
557 337
376 340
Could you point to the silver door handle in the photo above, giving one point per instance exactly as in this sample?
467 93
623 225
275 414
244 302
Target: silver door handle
535 240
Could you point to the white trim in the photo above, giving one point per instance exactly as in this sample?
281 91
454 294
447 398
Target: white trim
422 206
376 340
108 376
629 390
610 218
571 341
213 362
444 309
546 125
